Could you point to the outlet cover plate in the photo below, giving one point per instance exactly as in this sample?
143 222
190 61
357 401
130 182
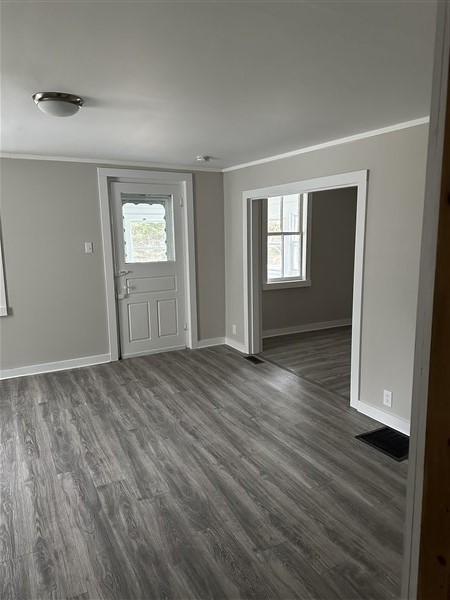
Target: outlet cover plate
387 398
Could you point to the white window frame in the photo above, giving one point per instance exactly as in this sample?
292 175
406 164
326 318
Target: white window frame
305 233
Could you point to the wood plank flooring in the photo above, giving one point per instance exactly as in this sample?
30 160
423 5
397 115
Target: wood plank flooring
192 475
320 356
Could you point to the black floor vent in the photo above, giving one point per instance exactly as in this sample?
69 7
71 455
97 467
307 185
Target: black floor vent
387 440
253 359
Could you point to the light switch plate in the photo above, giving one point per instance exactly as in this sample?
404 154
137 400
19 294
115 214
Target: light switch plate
88 247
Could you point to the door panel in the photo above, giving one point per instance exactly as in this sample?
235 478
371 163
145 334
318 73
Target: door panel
167 317
142 285
139 321
149 261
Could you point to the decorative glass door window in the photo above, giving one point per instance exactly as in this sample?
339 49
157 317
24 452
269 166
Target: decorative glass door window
285 231
148 228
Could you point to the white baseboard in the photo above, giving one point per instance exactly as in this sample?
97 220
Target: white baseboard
152 352
208 342
307 327
61 365
236 345
394 421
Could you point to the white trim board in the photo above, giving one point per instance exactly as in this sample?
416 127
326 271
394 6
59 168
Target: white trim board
156 351
236 345
61 365
209 342
393 421
251 300
191 168
267 333
3 301
344 140
413 519
113 163
105 177
86 361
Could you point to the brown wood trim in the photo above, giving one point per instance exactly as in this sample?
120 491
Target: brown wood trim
434 562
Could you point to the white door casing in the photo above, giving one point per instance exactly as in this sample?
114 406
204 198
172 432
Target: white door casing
108 176
149 267
252 277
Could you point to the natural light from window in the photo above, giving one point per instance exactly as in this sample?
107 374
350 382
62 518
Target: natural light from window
147 230
286 234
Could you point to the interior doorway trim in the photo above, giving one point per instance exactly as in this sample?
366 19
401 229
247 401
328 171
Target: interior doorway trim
105 178
252 296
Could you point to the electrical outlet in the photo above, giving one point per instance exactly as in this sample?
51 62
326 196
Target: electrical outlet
387 398
234 329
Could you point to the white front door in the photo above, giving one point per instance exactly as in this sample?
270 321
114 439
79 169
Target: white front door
149 263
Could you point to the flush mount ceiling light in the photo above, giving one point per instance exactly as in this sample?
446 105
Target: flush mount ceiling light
58 104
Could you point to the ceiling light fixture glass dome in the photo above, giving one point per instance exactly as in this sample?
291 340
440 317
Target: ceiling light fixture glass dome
58 104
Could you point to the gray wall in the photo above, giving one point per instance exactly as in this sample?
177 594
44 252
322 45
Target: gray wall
210 250
394 219
332 246
56 292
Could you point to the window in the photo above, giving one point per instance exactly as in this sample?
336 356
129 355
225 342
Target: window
147 228
285 232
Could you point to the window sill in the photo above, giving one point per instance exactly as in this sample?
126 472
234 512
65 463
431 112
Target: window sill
279 285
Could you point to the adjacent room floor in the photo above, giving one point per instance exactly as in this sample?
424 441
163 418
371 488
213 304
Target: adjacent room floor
192 475
320 356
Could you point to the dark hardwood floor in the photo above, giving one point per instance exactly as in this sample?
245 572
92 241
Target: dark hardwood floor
320 356
192 475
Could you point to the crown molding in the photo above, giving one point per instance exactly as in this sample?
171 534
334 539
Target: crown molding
107 162
329 144
190 168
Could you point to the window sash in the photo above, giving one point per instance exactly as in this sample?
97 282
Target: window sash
301 232
284 277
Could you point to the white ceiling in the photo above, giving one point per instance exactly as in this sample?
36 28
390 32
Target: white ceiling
239 80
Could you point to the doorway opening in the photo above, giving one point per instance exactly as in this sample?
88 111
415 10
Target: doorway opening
304 260
148 246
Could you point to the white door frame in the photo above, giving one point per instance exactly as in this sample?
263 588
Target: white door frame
105 178
425 300
252 296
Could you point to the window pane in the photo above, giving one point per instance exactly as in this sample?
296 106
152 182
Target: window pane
292 260
291 214
147 234
274 214
274 262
